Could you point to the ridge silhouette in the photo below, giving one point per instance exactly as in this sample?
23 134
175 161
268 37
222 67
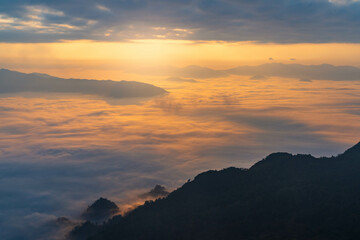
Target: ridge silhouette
283 196
100 210
17 82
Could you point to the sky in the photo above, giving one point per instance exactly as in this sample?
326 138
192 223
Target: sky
245 78
280 21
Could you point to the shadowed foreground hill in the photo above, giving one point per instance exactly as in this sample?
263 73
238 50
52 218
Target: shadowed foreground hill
283 196
14 82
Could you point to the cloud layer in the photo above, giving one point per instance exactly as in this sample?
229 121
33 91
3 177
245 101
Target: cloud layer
58 154
281 21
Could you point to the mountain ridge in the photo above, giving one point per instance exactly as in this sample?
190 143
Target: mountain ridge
16 82
283 196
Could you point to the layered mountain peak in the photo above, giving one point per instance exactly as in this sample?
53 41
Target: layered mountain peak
101 210
158 191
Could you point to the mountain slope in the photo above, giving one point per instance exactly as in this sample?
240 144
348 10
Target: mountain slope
283 196
12 82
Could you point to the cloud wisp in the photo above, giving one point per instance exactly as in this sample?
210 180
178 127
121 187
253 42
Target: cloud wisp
181 80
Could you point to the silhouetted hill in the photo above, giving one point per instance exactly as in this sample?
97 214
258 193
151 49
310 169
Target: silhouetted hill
284 196
84 231
353 152
157 192
12 82
101 210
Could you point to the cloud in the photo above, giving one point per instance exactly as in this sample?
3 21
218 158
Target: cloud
200 72
57 155
188 72
177 79
103 8
258 77
272 132
37 193
40 20
35 225
15 129
305 80
342 2
281 21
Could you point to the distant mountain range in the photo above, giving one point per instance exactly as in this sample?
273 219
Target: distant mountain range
15 82
264 71
312 72
284 196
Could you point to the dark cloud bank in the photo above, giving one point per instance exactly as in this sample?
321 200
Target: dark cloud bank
280 21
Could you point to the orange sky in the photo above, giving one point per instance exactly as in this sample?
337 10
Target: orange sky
88 59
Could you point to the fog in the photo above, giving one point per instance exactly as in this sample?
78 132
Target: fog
60 152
